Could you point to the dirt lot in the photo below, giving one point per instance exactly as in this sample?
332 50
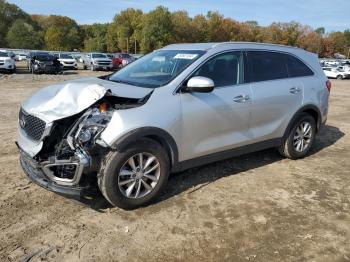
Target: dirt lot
258 207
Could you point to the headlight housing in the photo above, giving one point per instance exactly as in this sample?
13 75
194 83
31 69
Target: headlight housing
89 129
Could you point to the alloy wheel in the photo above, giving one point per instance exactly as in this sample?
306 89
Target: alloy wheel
302 136
139 175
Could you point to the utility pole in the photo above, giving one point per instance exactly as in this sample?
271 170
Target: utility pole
127 44
135 47
347 57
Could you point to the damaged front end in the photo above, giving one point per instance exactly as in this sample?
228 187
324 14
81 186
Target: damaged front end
64 155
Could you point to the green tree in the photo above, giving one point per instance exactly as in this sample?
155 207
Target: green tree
22 35
124 30
157 30
200 28
95 36
9 13
182 29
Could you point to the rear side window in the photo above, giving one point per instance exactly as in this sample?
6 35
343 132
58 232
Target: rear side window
296 68
264 66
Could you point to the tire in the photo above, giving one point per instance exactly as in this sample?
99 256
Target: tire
289 147
340 77
109 177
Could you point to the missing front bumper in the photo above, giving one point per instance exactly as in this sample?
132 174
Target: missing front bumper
35 172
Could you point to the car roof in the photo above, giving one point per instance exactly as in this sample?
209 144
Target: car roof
207 46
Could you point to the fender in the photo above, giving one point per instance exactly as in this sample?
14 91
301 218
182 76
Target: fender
155 133
301 110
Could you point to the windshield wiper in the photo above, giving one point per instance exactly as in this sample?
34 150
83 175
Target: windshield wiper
122 82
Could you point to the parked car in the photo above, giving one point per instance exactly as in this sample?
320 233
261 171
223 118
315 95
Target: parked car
182 106
97 61
43 62
344 68
137 56
7 63
122 59
77 57
21 56
67 61
333 72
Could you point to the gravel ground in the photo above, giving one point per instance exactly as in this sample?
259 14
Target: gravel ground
257 207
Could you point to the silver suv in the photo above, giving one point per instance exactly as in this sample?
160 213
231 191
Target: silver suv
178 107
97 61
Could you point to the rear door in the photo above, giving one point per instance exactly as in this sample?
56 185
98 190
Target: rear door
276 96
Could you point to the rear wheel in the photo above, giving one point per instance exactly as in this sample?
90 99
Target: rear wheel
300 138
339 77
133 178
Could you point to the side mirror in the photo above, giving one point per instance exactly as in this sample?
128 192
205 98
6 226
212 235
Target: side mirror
200 84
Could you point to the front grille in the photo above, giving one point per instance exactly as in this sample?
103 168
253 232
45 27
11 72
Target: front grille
103 63
34 127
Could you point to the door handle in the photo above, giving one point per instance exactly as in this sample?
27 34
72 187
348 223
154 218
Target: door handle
294 90
241 98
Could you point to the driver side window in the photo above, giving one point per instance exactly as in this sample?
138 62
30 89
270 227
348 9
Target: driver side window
224 69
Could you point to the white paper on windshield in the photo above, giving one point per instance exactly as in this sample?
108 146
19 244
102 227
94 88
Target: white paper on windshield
158 59
186 56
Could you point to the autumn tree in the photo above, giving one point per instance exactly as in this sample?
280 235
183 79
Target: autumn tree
62 33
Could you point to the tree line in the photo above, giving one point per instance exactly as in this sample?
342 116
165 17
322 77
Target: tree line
135 31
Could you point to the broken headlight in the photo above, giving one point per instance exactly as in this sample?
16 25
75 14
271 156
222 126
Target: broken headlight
91 126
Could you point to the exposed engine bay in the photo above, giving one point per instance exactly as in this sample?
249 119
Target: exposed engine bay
73 145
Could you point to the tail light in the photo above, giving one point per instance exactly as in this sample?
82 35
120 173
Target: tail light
329 85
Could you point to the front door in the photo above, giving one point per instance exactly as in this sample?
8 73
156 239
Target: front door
217 121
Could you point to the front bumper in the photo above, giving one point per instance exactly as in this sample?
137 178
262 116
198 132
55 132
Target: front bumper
103 67
35 172
6 67
51 69
70 66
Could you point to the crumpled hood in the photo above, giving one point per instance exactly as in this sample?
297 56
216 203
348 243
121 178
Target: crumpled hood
69 98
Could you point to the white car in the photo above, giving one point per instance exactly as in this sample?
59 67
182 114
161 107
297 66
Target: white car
7 63
67 61
21 56
332 72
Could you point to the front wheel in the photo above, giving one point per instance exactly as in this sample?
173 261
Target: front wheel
134 177
340 77
300 138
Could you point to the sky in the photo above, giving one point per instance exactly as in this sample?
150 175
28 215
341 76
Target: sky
331 14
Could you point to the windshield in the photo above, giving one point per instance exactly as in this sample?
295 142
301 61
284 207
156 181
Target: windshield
43 56
66 56
125 56
156 69
99 56
3 54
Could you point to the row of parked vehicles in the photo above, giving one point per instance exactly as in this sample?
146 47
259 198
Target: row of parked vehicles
44 62
336 69
55 63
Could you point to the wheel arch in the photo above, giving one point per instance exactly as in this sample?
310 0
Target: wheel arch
158 135
309 109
